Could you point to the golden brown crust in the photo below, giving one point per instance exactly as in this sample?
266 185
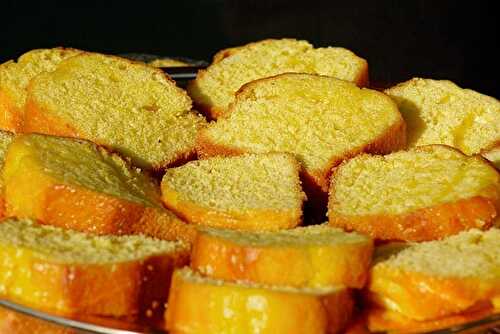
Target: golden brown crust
403 292
299 265
237 309
87 211
206 148
253 220
180 159
424 224
2 206
115 289
363 80
39 120
10 116
80 209
163 225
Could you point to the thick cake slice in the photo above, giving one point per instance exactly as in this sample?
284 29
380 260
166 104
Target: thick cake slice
5 140
130 107
422 194
69 272
436 279
214 88
15 77
204 305
75 184
251 192
313 256
440 112
320 120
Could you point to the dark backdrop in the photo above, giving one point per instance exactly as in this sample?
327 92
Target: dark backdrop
439 39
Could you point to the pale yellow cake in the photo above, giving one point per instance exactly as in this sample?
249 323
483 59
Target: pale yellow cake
15 77
214 88
250 192
200 304
127 106
75 184
425 193
313 256
320 120
440 112
437 279
68 272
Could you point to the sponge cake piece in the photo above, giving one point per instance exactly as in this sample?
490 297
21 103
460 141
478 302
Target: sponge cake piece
313 256
214 88
75 184
440 112
251 192
320 120
205 305
129 107
436 279
425 193
15 77
70 273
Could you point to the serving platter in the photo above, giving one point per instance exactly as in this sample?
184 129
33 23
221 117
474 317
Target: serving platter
489 325
49 323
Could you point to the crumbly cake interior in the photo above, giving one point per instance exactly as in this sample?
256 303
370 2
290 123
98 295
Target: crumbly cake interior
315 118
66 246
267 181
408 180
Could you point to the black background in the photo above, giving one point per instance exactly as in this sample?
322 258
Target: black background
453 40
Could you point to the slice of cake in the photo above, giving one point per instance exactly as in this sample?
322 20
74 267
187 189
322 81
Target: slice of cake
69 272
129 107
437 279
320 120
15 77
251 192
199 304
214 88
314 256
5 140
422 194
440 112
75 184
